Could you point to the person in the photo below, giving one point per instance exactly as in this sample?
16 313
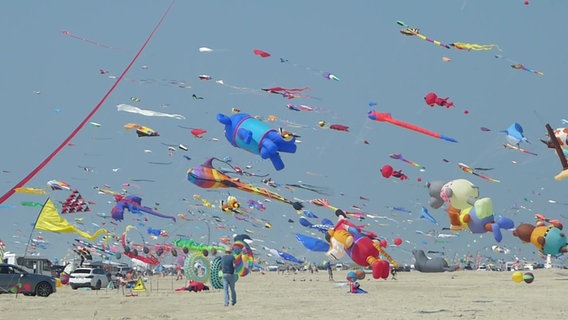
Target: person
228 269
393 273
330 271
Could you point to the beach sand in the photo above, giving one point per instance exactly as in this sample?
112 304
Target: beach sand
414 295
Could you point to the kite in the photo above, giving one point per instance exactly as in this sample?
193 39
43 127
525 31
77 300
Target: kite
191 245
135 99
58 185
399 156
557 139
548 239
205 49
312 244
387 171
424 214
424 264
362 246
519 66
75 203
330 76
516 147
31 190
141 131
132 204
195 97
204 77
284 255
514 134
407 31
323 227
386 117
338 127
255 136
198 133
473 171
133 254
299 107
65 142
287 93
474 46
148 113
261 53
432 99
466 209
98 44
207 177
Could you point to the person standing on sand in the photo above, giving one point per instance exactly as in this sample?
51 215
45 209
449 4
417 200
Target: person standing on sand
228 269
330 271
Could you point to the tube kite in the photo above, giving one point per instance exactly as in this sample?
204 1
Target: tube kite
208 177
386 117
407 31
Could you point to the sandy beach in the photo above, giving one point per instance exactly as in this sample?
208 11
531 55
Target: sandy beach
413 295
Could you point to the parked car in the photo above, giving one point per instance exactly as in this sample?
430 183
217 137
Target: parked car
15 279
94 278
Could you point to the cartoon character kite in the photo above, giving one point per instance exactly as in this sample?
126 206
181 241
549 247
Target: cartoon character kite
246 132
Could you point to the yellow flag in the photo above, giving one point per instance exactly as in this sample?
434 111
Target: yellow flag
50 220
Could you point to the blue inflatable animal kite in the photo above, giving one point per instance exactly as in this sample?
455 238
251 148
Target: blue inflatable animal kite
253 135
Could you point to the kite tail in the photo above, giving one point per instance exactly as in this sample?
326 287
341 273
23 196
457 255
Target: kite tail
387 256
268 194
91 237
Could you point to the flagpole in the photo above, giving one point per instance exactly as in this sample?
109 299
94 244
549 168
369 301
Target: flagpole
32 232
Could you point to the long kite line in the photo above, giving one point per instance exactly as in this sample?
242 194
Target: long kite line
86 120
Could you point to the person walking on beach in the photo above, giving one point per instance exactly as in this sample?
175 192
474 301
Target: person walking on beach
228 269
330 271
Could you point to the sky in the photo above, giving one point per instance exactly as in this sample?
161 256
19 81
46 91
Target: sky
52 81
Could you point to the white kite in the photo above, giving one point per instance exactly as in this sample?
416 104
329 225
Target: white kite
148 113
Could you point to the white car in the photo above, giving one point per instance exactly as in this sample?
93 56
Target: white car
94 278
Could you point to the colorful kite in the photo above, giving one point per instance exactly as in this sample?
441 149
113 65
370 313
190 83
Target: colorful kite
515 134
134 205
473 46
288 93
387 171
399 156
75 203
386 117
473 171
208 177
141 131
407 31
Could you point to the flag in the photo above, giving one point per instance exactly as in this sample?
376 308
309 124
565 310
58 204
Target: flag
50 220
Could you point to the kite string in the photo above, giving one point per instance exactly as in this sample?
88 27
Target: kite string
88 117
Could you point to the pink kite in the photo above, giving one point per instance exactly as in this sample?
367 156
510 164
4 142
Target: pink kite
432 99
339 127
261 53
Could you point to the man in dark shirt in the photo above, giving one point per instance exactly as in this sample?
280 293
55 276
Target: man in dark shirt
228 268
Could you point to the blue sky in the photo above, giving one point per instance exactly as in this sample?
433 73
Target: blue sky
357 41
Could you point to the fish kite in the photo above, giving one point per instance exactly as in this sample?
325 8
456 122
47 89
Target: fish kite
208 177
386 117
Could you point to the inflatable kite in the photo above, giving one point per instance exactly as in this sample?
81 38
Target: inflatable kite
558 139
425 264
548 239
133 253
515 134
386 117
388 171
208 177
255 136
466 209
362 246
432 99
132 204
